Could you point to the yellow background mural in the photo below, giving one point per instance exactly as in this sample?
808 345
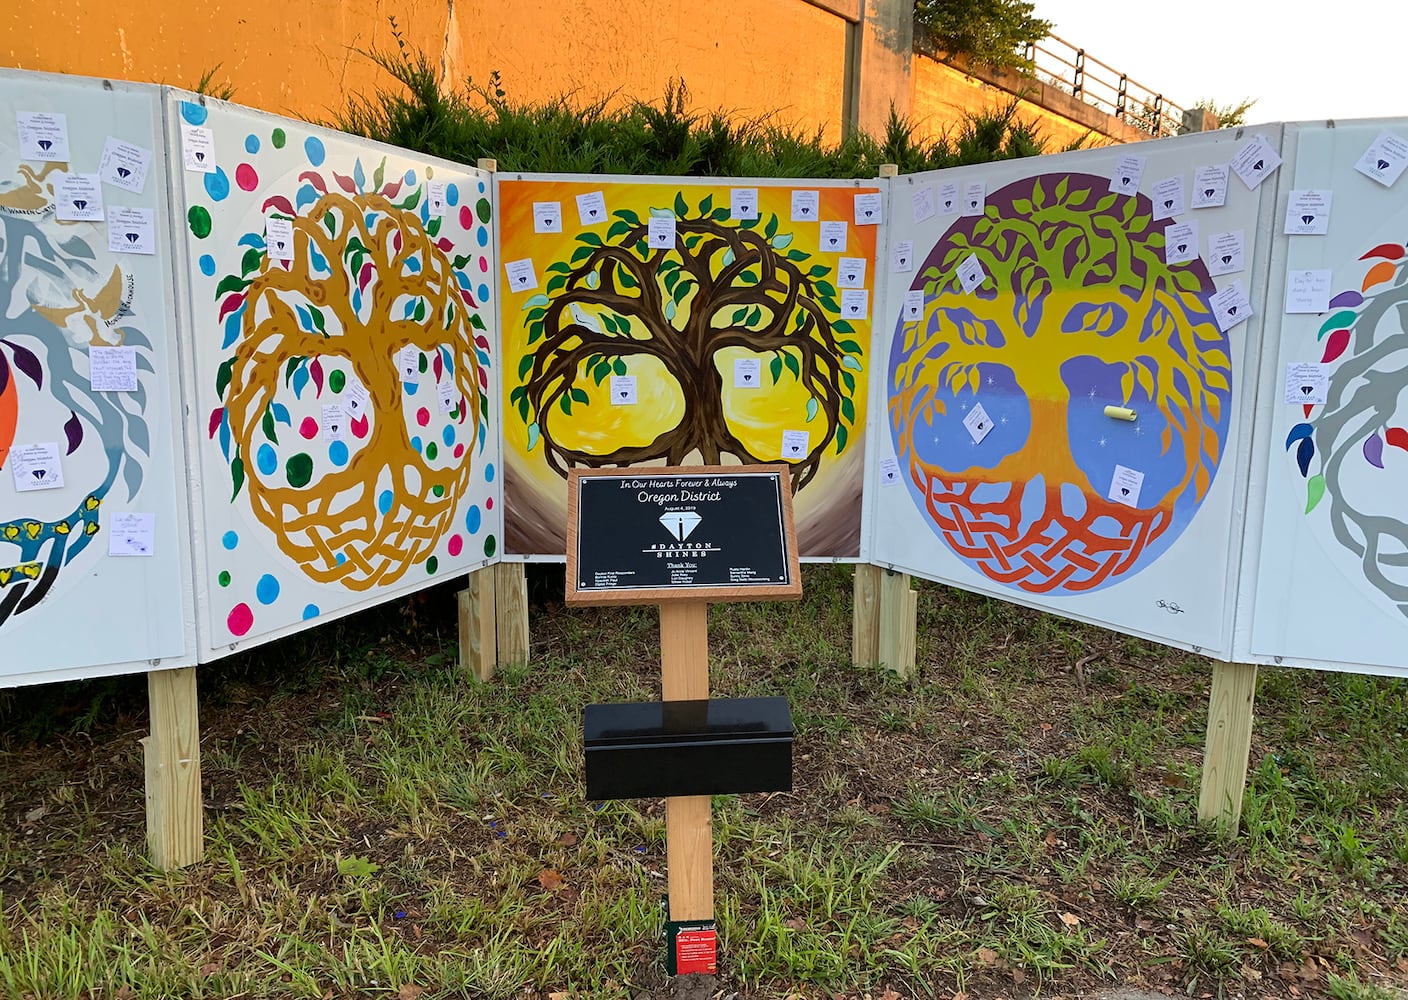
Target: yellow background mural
784 310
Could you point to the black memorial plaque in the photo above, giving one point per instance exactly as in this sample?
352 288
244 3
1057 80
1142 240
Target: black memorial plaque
681 530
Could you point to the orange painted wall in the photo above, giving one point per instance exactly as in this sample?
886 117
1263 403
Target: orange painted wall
941 94
299 57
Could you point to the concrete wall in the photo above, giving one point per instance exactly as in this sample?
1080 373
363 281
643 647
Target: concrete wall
817 64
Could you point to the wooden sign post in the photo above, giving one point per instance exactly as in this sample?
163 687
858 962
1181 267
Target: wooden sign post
683 538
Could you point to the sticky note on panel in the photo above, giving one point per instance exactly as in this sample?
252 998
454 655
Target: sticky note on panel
112 369
743 203
1210 186
921 201
806 206
855 303
131 534
850 272
868 209
1385 158
43 136
521 277
1126 485
833 237
795 445
1307 383
591 208
131 230
78 198
1181 243
623 390
547 216
747 373
902 257
1168 198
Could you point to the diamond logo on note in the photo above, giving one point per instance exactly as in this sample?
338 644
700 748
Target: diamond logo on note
133 237
1307 219
46 144
80 204
679 523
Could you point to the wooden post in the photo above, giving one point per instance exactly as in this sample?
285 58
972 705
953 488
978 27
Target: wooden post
1229 744
478 628
175 820
689 838
865 616
511 612
899 610
889 170
488 163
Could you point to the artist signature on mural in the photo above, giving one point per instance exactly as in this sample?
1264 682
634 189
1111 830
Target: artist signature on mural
1169 606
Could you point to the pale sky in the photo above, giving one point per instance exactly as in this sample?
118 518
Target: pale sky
1341 59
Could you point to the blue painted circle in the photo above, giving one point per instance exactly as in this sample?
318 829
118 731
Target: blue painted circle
217 185
229 539
267 460
489 473
452 195
473 519
482 235
195 114
311 611
341 558
449 435
207 265
481 187
483 293
313 149
337 452
416 443
384 502
267 589
410 387
251 144
410 178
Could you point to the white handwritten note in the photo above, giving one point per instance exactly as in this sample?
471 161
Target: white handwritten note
747 373
623 390
436 192
132 230
978 423
43 136
921 201
1210 186
131 534
198 148
124 165
868 209
660 232
950 202
547 216
78 198
975 197
36 467
1307 291
1226 252
1255 161
112 369
889 472
278 237
743 203
855 303
521 277
913 305
1181 243
334 422
902 256
795 445
850 272
970 273
833 237
1385 159
1128 172
806 206
1230 306
591 208
1307 383
1168 198
1308 212
1126 485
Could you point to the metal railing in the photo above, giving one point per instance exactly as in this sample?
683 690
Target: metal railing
1060 64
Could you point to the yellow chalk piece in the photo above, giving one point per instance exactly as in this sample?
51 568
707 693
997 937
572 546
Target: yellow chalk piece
1120 412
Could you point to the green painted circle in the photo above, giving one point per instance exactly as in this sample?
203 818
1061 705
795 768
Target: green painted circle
431 451
224 578
432 564
490 545
438 490
424 364
299 469
199 218
278 138
337 381
482 209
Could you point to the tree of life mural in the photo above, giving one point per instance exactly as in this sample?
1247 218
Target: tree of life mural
1358 438
56 302
719 284
1077 310
349 398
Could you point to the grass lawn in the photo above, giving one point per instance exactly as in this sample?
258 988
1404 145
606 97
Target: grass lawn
1019 820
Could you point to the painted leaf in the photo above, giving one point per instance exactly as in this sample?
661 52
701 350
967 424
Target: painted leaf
1298 433
316 371
223 375
266 424
1347 299
1397 437
840 439
346 183
1305 451
1314 491
1374 450
216 415
1335 346
27 362
279 202
359 427
281 414
1343 318
237 474
308 177
300 379
1378 274
533 435
73 432
812 407
1385 251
